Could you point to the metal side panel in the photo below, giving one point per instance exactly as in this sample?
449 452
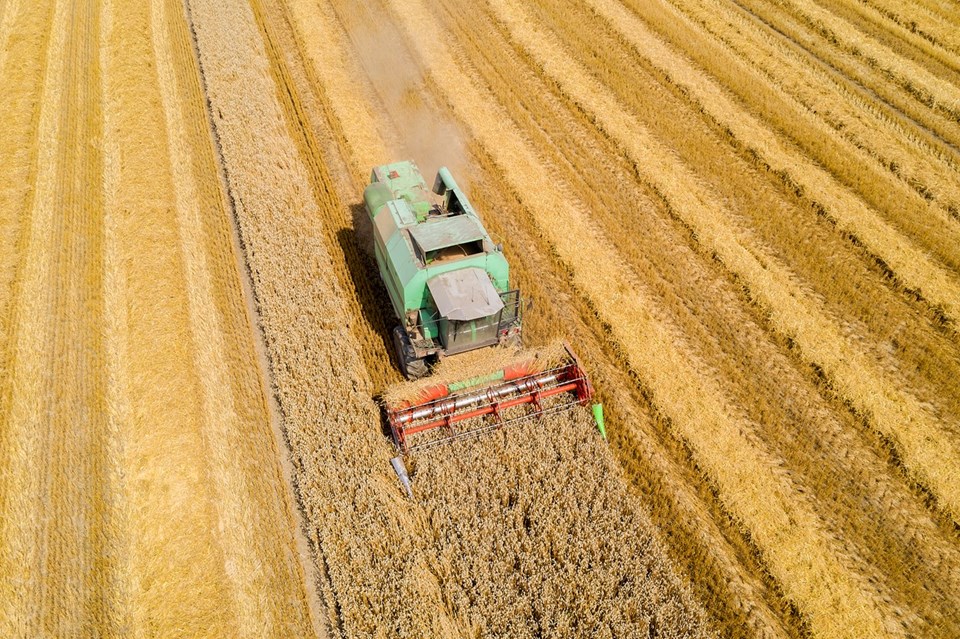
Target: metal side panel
450 231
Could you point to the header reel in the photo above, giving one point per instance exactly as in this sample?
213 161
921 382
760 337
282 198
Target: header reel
445 413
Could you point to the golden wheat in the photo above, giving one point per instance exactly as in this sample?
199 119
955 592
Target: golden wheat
893 169
935 92
649 340
857 73
29 405
931 22
872 313
743 215
118 527
559 516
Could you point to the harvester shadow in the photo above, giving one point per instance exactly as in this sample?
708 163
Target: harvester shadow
384 420
356 242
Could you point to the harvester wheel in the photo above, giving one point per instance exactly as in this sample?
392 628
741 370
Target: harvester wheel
411 366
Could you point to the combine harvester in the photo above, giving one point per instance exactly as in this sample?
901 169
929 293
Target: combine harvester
449 286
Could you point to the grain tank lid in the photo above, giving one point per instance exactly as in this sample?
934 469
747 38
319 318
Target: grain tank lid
450 231
465 294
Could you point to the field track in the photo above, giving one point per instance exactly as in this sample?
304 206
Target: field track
744 214
136 439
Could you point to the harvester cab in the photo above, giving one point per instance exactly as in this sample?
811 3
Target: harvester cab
449 286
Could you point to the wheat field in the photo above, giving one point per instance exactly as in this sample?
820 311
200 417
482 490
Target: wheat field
744 215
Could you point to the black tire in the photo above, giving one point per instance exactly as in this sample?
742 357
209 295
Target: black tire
411 366
416 369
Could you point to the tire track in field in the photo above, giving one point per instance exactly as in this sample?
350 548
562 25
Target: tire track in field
642 336
54 530
321 41
929 457
77 555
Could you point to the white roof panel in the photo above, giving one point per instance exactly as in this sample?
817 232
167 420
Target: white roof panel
464 294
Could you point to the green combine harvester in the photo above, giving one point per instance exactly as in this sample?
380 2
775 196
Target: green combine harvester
449 284
448 281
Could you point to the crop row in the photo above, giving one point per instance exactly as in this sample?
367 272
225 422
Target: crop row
868 151
926 87
51 472
650 346
136 443
857 73
760 397
800 240
796 316
927 19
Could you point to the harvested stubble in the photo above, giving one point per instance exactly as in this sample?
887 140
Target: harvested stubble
534 522
377 568
139 486
872 312
935 23
928 452
856 146
924 86
858 74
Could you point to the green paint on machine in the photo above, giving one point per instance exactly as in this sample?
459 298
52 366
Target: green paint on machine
447 280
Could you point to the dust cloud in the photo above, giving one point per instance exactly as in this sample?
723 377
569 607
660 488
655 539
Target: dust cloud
422 131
